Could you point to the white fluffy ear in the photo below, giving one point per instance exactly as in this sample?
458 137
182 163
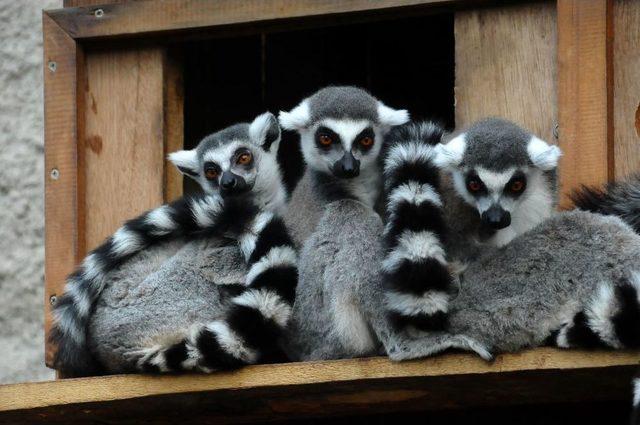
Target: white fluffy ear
391 117
296 119
542 154
451 153
264 131
186 162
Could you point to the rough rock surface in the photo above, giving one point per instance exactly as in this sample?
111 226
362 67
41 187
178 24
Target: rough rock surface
21 191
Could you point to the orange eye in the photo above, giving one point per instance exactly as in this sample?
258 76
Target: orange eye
474 185
325 140
244 159
366 142
211 173
517 186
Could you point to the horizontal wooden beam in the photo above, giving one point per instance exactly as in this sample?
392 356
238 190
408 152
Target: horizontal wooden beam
143 18
329 387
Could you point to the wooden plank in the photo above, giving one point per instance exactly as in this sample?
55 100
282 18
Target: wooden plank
585 93
626 95
326 388
506 66
124 158
140 18
173 109
64 231
79 3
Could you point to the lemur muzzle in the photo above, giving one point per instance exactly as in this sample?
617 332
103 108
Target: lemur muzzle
496 217
347 167
231 184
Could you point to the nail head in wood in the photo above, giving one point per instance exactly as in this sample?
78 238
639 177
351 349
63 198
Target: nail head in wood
53 299
55 174
52 66
98 13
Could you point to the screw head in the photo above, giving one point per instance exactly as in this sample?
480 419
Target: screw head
55 174
98 13
556 130
53 299
52 66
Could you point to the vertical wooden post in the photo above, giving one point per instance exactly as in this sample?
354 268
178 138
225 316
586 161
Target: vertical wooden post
63 124
505 66
626 95
585 93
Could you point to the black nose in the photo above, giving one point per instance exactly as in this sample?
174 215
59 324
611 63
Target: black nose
228 181
496 217
347 166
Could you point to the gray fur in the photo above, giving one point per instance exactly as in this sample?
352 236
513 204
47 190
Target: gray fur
514 297
346 251
304 210
496 144
161 293
341 102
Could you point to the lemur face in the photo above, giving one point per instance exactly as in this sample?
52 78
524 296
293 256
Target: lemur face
341 147
504 172
341 129
237 160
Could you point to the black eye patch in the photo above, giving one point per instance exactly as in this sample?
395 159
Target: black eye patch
517 185
242 157
475 185
365 139
326 138
211 172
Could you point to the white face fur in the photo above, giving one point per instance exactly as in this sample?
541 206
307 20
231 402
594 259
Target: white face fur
238 166
346 148
510 201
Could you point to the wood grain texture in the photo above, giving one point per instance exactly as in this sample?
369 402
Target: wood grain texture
78 3
64 231
506 66
325 388
626 94
173 110
585 93
124 151
139 18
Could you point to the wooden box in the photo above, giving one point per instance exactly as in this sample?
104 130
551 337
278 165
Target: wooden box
126 82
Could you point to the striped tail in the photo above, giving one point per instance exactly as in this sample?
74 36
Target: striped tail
418 282
611 319
617 198
188 217
250 331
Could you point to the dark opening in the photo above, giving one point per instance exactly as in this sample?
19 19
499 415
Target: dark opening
407 63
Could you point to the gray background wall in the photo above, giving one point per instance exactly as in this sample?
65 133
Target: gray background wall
21 191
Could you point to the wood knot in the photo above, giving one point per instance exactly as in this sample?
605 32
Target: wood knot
95 144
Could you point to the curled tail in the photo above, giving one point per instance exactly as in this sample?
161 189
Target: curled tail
250 330
188 217
617 198
415 268
610 319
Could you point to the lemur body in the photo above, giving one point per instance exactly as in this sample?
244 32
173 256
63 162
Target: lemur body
243 199
341 133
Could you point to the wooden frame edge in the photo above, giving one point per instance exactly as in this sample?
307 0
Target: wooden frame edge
63 65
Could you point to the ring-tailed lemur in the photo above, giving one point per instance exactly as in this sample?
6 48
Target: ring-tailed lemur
243 199
501 182
341 134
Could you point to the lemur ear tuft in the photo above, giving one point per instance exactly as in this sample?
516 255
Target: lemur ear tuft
451 153
391 117
296 119
264 131
186 162
542 154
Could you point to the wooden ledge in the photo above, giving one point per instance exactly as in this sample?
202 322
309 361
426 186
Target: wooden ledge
327 388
